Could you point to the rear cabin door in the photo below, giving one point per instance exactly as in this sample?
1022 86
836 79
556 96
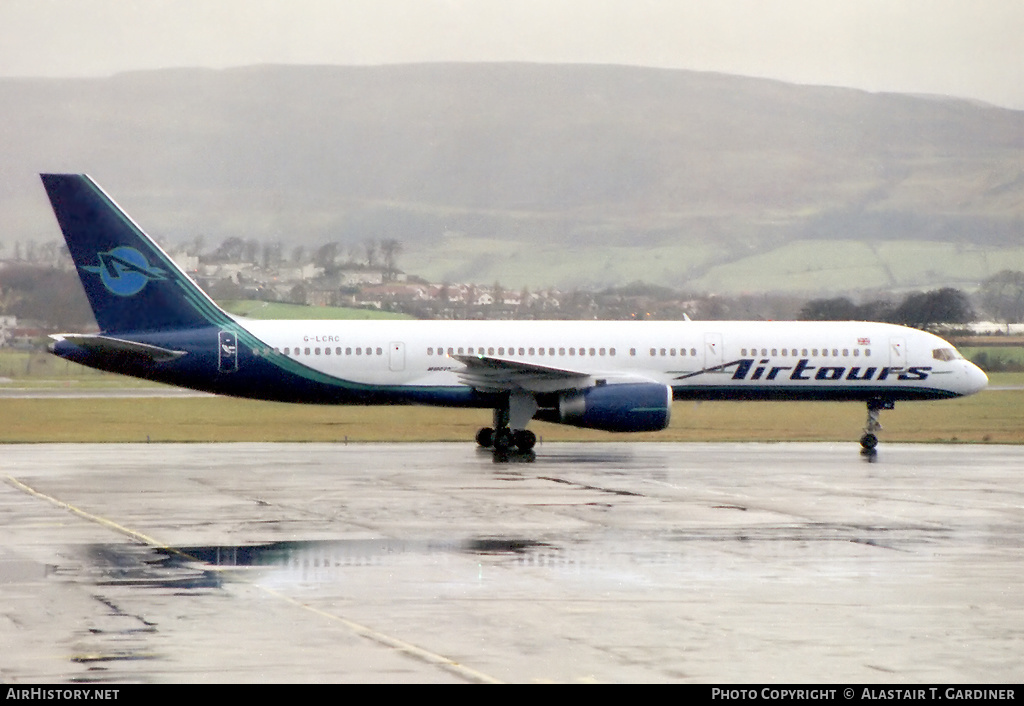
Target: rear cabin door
396 359
227 352
713 355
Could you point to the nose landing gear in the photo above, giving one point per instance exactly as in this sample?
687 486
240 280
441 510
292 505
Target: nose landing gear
869 441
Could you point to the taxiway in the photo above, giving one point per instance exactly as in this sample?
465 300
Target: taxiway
611 562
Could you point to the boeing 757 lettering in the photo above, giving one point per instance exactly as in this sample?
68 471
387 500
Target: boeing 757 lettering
156 323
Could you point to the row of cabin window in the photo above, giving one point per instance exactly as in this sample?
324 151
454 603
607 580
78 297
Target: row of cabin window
337 351
595 352
812 353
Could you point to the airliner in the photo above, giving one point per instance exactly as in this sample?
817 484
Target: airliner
618 376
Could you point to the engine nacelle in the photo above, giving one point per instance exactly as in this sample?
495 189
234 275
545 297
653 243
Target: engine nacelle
622 407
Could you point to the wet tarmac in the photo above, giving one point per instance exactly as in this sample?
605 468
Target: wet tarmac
607 562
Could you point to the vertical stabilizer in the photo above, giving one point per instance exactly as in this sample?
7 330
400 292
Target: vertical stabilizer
131 283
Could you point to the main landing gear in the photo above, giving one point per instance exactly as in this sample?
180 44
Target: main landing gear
509 432
869 441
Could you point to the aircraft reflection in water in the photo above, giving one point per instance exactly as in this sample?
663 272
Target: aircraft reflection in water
156 323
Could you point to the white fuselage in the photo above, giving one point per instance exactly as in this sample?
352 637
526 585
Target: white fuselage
744 357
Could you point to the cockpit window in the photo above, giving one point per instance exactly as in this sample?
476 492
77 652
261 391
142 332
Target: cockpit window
945 354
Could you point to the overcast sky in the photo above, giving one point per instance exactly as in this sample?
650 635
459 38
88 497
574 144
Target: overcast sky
972 49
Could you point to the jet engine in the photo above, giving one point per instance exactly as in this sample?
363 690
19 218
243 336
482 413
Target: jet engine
617 407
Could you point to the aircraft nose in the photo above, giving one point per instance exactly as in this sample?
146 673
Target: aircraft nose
975 379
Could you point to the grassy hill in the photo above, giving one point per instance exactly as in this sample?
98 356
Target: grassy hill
279 310
541 175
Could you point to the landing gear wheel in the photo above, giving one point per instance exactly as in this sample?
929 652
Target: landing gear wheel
869 441
503 440
524 439
485 437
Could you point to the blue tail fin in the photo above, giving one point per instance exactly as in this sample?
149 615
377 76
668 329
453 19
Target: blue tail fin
131 283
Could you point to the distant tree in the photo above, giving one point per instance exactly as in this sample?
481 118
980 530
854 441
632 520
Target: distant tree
839 309
326 255
251 250
372 249
271 255
876 310
1002 296
298 294
46 294
941 306
230 250
390 249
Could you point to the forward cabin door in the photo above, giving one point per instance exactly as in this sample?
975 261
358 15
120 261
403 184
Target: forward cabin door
898 353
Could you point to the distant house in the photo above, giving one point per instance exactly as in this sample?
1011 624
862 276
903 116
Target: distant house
357 276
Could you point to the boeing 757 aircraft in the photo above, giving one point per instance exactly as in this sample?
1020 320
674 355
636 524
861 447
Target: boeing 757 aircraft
156 323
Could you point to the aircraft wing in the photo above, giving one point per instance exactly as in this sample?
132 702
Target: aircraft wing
489 374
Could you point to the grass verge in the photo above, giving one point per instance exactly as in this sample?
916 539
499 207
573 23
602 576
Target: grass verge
993 416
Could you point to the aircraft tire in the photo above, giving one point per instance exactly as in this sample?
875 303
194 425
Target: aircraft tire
524 439
503 440
485 437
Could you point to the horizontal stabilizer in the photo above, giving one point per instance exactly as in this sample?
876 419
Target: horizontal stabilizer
106 345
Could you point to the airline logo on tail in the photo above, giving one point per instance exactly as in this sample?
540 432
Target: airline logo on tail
124 271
